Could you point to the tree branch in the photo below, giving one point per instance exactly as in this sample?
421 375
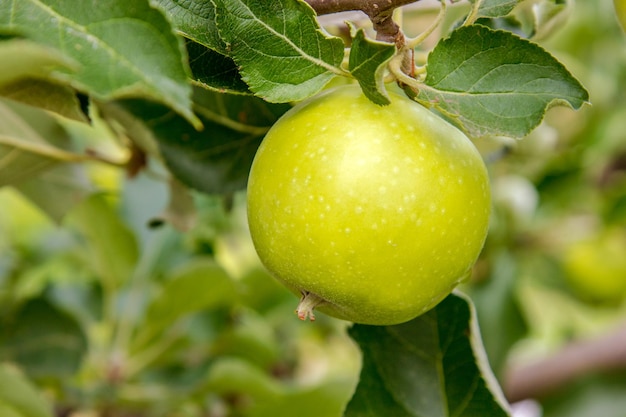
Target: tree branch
369 7
379 12
606 353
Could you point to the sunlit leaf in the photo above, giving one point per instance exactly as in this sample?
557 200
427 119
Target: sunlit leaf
120 48
47 96
495 83
19 397
20 58
282 52
27 74
31 142
195 19
495 8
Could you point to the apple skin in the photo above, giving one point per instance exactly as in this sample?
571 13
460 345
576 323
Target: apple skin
620 11
596 266
374 213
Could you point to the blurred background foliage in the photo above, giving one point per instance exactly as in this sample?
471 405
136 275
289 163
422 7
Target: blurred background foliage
200 329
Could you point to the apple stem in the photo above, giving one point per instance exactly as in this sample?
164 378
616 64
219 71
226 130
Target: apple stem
307 304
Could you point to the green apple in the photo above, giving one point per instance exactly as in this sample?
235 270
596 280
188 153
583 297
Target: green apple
373 214
596 266
620 11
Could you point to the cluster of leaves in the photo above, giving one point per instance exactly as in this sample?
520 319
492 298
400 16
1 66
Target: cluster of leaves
488 81
115 317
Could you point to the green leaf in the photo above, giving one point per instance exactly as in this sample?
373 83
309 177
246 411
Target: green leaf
433 365
232 375
31 142
195 19
252 337
19 396
27 74
121 48
8 411
19 160
495 8
20 58
218 159
495 83
323 400
111 245
368 60
198 285
47 96
282 52
501 321
269 398
58 190
214 71
45 341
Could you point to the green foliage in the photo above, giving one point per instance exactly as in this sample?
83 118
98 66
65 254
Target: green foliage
493 82
495 8
44 340
282 54
367 64
443 348
18 397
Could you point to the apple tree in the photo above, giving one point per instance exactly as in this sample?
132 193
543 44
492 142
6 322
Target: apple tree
129 283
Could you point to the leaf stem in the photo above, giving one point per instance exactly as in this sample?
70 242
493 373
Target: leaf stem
396 68
369 7
45 150
414 42
473 14
380 12
230 123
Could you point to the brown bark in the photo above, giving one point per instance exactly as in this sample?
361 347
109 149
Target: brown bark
606 353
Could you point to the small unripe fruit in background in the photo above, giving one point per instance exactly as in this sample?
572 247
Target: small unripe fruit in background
620 11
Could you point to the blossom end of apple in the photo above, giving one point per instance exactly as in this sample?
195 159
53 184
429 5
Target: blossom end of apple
307 304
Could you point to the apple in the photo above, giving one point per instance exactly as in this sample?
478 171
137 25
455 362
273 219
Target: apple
620 11
372 213
596 266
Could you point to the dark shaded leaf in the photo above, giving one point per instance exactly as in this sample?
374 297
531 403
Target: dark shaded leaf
45 341
499 314
217 159
214 70
433 365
